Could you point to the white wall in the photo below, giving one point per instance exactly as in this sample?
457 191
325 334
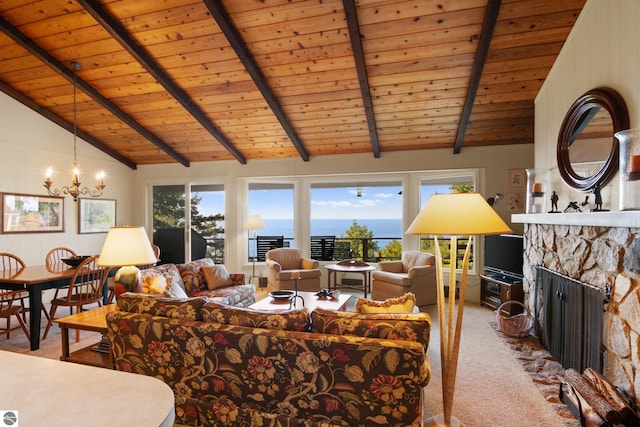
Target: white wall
603 49
29 144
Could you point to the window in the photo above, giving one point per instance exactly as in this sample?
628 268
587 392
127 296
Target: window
206 222
207 218
444 183
274 203
364 217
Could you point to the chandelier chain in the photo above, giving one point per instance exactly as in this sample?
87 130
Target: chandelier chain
75 190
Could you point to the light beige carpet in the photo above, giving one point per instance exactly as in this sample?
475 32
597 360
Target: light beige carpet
492 389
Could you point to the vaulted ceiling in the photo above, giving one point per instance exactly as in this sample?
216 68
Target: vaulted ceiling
185 81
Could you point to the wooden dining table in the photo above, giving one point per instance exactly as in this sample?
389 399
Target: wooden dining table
35 279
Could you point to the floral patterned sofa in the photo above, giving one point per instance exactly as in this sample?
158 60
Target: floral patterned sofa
240 367
188 280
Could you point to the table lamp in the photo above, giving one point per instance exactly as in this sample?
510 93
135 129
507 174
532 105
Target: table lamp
455 214
254 222
126 247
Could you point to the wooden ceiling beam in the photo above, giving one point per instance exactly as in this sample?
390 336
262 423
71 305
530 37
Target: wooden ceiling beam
489 24
65 72
44 112
361 68
232 34
118 32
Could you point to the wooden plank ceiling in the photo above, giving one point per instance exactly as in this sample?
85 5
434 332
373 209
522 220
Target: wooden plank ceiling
187 81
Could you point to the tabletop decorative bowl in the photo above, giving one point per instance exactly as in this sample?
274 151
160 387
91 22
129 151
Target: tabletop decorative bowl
74 261
281 294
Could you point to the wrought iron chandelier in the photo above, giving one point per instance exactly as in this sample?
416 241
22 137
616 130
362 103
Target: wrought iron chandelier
75 190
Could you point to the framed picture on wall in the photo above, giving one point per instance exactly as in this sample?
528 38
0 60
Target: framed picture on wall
515 202
96 215
517 179
28 213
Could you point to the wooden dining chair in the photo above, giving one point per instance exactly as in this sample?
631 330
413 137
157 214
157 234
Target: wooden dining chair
8 308
55 257
10 265
85 288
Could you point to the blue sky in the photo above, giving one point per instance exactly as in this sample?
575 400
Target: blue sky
326 203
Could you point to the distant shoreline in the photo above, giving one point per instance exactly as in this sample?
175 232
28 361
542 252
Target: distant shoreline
382 228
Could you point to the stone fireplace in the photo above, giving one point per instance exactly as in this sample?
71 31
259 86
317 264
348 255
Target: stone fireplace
601 249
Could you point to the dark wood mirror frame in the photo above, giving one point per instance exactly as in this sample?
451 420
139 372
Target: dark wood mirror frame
574 121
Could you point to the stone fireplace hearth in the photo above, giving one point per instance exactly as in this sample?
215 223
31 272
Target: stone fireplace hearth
599 249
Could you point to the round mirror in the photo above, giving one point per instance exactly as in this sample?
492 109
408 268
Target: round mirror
587 151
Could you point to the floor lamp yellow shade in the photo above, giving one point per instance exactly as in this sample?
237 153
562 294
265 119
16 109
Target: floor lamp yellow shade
455 214
458 214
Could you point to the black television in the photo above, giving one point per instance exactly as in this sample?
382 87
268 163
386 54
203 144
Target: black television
503 254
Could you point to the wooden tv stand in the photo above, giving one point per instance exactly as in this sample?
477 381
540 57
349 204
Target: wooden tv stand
496 288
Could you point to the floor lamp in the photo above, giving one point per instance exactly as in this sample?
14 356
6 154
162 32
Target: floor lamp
254 222
455 214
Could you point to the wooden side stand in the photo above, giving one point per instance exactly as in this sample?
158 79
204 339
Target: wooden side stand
90 320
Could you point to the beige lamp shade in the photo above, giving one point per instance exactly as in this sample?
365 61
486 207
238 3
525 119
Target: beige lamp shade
126 246
254 222
458 214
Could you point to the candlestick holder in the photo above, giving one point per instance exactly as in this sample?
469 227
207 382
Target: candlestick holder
292 301
536 190
629 169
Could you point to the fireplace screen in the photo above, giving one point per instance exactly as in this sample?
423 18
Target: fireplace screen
570 319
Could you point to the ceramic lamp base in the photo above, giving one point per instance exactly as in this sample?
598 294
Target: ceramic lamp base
127 279
438 420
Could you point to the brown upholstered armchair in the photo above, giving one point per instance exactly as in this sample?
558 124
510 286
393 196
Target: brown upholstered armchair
282 262
415 273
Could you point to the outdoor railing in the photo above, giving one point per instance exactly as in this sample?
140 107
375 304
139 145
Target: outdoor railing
355 248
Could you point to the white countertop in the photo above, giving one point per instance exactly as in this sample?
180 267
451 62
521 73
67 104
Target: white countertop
598 219
54 393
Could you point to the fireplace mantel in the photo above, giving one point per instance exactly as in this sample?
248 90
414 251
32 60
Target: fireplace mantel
596 219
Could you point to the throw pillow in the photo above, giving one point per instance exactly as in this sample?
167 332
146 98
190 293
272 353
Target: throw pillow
286 320
154 284
403 304
167 270
216 276
162 284
192 277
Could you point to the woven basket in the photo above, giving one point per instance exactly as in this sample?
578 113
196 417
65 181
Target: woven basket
519 325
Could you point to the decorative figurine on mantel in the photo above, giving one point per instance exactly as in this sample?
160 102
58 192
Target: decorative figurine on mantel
572 207
554 203
598 201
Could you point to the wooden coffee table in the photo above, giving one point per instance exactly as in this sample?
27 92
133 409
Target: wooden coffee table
350 266
90 320
311 302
